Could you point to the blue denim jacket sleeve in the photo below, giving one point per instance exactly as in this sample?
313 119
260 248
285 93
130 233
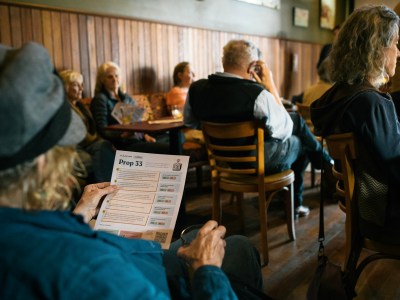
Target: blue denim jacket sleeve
210 282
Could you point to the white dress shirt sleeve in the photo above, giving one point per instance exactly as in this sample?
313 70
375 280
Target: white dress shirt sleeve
278 122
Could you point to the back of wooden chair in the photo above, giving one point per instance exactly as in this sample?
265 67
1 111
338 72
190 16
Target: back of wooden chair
344 148
247 147
236 155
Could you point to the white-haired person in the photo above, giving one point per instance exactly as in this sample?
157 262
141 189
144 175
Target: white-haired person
108 93
49 252
96 153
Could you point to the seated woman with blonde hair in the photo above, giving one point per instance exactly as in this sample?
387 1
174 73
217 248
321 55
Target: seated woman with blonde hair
108 93
96 153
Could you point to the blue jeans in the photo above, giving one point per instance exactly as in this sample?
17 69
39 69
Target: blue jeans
295 153
241 263
101 162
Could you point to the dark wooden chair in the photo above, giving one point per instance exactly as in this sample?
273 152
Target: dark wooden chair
240 169
343 148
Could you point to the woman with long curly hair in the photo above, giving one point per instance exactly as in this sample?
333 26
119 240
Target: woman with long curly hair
362 59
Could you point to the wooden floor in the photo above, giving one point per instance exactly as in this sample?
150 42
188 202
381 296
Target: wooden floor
292 264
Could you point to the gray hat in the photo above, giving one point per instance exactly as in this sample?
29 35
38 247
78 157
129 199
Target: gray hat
34 113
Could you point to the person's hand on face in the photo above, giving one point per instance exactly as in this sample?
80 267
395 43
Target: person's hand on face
208 248
88 204
263 75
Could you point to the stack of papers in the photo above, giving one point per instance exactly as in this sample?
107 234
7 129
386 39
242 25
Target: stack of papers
165 121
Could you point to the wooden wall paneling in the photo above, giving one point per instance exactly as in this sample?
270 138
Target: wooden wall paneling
66 41
106 37
75 45
192 53
214 42
284 55
191 37
146 76
122 56
57 42
135 54
305 64
199 51
210 63
99 37
26 18
154 70
5 30
161 70
16 30
47 31
171 49
114 40
140 40
167 65
208 55
37 32
92 51
128 55
146 51
84 55
271 54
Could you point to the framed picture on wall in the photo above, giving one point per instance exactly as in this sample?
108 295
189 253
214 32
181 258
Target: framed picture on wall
300 17
327 14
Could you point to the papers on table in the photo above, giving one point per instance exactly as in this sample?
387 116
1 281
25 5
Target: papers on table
165 121
126 113
147 202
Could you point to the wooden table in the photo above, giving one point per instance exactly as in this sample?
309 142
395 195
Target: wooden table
174 129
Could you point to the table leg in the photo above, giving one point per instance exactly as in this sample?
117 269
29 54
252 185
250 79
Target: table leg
175 141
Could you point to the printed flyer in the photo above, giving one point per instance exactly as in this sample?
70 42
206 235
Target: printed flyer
147 201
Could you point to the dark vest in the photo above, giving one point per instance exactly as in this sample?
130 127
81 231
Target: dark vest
223 99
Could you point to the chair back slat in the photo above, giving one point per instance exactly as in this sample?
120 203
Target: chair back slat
233 147
230 130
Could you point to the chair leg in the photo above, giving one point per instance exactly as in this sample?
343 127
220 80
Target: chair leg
263 226
199 176
289 205
240 206
350 269
312 176
216 207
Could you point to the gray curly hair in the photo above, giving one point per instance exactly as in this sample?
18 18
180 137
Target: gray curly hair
358 52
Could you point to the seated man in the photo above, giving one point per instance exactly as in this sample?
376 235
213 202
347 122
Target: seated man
240 94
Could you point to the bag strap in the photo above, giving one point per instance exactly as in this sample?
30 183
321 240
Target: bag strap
321 235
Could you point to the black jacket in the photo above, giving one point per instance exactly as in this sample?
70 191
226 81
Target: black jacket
372 117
